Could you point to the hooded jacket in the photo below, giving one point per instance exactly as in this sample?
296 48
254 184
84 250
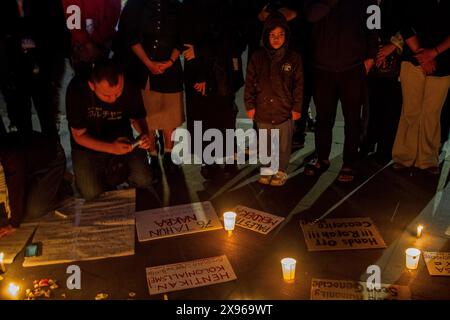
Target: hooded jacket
274 82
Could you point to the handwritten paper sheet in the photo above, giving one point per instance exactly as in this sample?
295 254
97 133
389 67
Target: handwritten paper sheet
322 289
255 220
81 231
177 220
342 234
13 244
438 263
192 274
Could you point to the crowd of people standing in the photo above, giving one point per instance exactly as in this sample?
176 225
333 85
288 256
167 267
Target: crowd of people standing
148 66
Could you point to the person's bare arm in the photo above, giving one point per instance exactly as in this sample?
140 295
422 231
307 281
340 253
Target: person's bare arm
163 66
119 147
140 125
413 43
429 54
140 53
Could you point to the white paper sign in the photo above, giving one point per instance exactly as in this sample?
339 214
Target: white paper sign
14 243
81 231
342 234
322 289
192 274
178 220
438 263
255 220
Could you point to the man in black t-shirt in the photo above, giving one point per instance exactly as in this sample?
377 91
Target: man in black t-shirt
100 113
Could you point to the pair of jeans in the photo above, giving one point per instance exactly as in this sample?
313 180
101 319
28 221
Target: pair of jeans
329 87
91 170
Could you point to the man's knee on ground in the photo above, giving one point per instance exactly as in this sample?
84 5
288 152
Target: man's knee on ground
143 180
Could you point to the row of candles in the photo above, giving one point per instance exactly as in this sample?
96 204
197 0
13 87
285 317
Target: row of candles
288 265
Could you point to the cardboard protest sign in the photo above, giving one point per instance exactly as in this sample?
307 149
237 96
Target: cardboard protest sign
258 221
438 263
14 243
322 289
192 274
84 231
174 221
342 234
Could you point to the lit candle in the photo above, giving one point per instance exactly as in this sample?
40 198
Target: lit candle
412 258
13 290
288 266
229 219
419 231
2 264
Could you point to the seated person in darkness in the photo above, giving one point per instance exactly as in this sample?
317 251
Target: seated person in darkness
101 113
34 169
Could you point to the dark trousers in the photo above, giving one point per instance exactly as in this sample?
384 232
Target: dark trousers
300 125
41 88
330 87
97 172
34 170
384 106
214 112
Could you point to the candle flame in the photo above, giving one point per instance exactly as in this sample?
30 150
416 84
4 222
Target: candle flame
13 290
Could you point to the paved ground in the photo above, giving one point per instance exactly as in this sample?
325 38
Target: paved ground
396 202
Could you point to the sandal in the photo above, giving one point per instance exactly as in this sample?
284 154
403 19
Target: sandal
263 179
346 175
316 168
279 179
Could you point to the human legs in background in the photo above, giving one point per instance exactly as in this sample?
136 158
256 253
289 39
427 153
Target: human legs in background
44 185
352 88
18 101
326 97
165 112
329 87
418 136
406 142
445 121
46 94
435 94
285 133
385 100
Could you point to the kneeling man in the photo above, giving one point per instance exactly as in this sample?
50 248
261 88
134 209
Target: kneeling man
101 112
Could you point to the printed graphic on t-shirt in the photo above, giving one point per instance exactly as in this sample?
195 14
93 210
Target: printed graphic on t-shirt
100 113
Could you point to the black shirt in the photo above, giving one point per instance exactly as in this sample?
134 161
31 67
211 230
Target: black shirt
103 121
430 20
340 37
155 25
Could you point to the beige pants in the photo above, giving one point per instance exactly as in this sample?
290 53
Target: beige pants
419 131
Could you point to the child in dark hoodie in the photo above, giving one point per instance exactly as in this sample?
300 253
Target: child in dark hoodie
274 91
